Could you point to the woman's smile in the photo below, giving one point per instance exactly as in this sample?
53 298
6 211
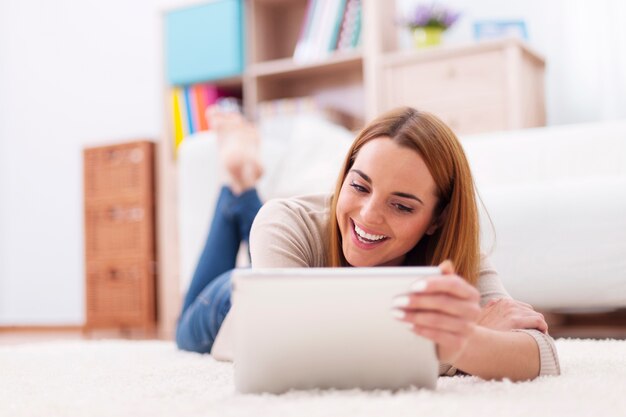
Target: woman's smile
366 240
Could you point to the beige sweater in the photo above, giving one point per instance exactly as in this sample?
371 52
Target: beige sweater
292 233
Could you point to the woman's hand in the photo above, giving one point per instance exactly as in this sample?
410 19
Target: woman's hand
507 314
445 310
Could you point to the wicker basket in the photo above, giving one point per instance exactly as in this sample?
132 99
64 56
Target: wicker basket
117 294
118 171
119 228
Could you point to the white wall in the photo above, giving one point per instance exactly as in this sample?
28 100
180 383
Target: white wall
75 73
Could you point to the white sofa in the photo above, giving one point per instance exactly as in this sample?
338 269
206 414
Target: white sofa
556 197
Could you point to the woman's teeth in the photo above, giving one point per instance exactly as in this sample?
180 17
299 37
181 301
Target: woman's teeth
361 234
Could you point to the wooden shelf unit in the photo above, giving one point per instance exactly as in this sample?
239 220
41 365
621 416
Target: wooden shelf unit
286 67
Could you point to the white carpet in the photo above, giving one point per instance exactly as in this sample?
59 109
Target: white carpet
132 378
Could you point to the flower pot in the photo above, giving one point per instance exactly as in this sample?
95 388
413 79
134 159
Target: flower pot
425 37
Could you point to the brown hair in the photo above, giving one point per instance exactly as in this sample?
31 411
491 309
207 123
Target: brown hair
457 237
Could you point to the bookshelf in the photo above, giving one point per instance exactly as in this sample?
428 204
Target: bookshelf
272 30
354 82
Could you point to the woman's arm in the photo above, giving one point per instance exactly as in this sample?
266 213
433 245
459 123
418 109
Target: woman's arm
494 354
445 310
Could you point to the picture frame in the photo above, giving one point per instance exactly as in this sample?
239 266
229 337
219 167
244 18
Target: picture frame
494 29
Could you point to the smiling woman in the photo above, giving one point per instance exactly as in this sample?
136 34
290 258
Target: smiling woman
405 196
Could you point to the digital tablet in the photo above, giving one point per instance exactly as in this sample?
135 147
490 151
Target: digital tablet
305 328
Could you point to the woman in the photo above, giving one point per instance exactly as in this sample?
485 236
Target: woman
405 196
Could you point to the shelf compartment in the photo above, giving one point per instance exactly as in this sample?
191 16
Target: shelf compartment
280 23
288 68
337 87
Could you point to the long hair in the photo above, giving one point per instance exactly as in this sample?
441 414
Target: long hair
457 237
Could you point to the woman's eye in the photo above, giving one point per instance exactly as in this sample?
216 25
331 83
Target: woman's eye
358 187
404 208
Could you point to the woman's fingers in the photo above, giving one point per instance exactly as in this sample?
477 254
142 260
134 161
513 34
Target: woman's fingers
446 302
508 314
446 267
437 302
437 321
450 284
530 320
528 306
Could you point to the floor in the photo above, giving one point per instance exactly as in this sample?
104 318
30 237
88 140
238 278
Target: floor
13 336
611 325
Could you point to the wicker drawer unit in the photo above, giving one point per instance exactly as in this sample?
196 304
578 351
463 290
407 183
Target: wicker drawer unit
488 86
120 248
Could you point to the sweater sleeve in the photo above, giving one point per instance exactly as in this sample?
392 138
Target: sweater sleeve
547 352
275 241
290 233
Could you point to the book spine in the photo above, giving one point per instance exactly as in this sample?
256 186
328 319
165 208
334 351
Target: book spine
341 7
356 36
193 108
350 32
301 46
309 52
318 50
188 109
177 121
200 107
183 112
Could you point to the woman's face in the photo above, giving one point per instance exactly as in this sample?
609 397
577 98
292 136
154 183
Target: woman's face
385 205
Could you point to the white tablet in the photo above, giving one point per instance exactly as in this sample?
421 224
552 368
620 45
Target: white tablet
306 328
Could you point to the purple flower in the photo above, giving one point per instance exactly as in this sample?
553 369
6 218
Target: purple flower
432 15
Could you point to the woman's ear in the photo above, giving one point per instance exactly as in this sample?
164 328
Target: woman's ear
437 221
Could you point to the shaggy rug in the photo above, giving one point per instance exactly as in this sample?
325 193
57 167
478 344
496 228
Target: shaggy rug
136 378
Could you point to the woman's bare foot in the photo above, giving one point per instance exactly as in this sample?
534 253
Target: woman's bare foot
238 143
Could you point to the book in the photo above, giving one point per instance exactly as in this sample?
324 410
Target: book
200 106
188 110
341 8
177 120
349 35
302 45
320 29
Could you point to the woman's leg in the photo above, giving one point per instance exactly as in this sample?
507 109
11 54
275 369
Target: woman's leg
200 322
208 299
220 249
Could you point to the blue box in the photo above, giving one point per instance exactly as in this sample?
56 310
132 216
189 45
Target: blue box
205 42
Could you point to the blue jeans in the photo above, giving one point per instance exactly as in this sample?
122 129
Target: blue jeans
208 298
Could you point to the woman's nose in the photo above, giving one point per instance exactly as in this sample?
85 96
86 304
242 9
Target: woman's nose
371 212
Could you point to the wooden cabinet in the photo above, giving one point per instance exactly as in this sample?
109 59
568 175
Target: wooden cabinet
474 88
120 236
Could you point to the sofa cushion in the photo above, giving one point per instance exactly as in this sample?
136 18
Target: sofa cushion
559 244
